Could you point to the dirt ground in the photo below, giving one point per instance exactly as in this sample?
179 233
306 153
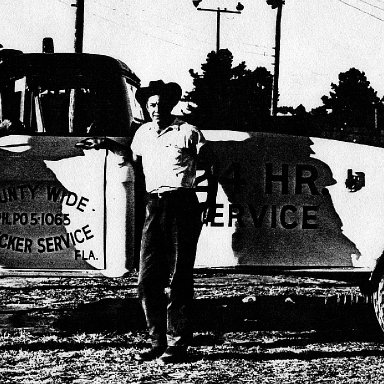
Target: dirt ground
248 329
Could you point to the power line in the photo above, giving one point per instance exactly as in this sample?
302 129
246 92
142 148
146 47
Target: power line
360 10
259 54
63 2
137 29
372 5
169 41
126 25
140 31
188 36
153 24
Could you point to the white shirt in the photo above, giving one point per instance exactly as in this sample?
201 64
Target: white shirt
169 157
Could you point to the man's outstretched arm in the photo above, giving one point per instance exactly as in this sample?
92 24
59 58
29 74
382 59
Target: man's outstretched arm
111 145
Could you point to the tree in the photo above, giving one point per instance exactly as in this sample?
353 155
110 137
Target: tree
299 111
227 97
352 103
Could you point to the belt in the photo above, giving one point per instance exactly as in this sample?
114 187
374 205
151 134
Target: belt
180 191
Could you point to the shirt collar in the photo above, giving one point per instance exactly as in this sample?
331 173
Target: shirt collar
174 125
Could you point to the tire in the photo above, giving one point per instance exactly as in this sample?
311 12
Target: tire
378 303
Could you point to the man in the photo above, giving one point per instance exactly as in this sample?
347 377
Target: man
168 149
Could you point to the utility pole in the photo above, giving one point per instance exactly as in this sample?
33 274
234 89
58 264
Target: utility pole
218 11
275 90
78 45
79 26
217 29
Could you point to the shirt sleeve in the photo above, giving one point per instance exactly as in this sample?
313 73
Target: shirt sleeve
136 143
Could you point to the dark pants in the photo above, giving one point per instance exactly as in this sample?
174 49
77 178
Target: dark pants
168 250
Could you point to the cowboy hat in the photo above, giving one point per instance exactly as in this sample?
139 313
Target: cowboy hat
170 91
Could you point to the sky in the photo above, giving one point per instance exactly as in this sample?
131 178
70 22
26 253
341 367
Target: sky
163 39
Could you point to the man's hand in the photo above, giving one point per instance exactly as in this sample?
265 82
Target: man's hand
208 213
9 127
207 160
110 145
93 143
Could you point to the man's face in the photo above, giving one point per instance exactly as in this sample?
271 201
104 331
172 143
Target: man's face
158 109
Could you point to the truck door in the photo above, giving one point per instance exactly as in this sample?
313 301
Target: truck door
55 197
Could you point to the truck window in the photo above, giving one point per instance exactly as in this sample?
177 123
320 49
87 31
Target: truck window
77 106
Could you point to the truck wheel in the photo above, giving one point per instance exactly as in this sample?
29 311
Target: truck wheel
378 303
